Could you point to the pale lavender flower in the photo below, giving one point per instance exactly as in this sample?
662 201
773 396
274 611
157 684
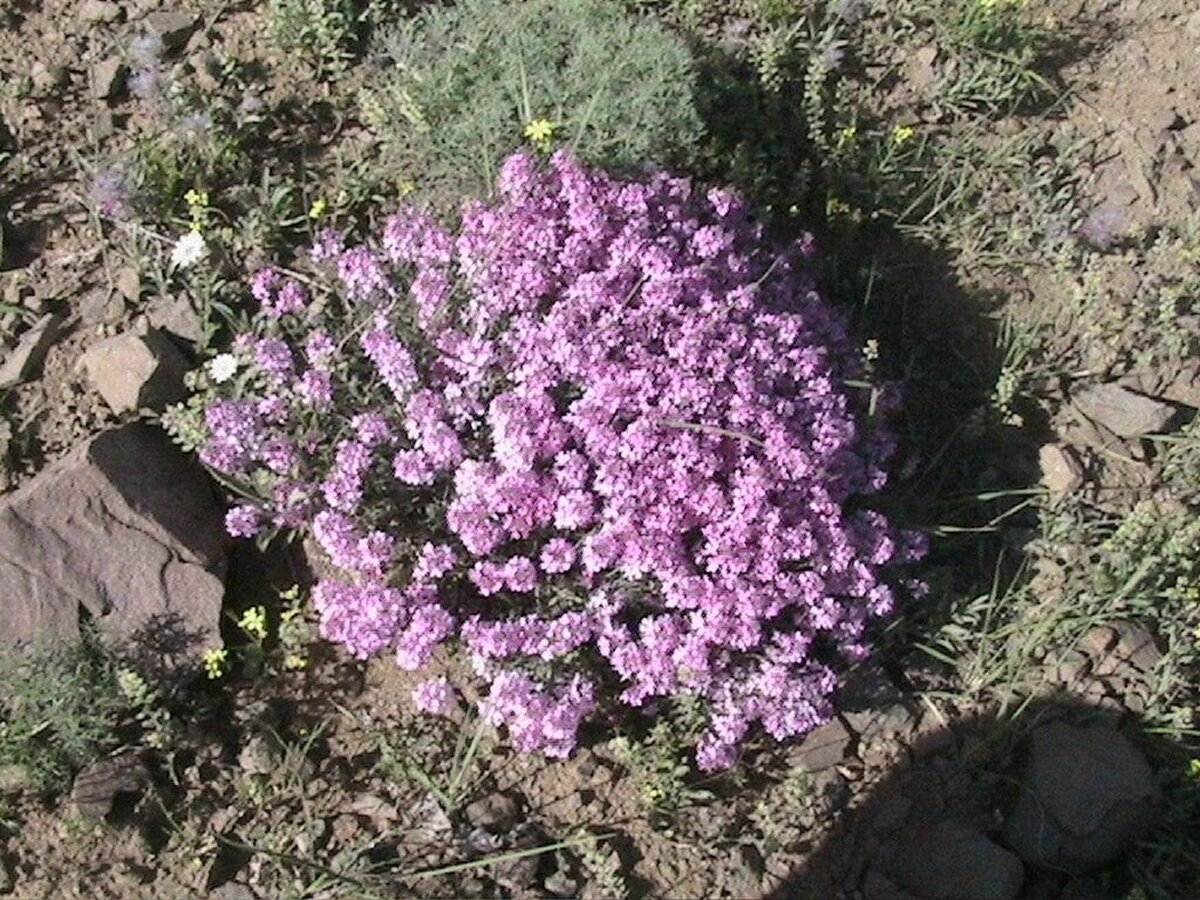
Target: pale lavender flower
434 696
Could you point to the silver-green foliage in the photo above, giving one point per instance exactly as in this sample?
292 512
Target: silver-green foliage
324 30
457 87
59 709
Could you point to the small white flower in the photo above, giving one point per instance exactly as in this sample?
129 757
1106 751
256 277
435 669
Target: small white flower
222 367
189 250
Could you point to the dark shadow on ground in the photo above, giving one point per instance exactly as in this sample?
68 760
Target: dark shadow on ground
944 821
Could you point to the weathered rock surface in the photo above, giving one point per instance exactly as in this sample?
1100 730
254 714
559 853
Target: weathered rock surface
1087 795
99 11
949 861
22 361
136 371
822 747
97 787
126 531
175 27
1061 471
1122 411
108 78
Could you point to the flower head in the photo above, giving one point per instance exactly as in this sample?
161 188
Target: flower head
540 133
188 250
599 434
222 367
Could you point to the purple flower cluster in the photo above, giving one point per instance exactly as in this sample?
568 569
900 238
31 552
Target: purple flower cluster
628 430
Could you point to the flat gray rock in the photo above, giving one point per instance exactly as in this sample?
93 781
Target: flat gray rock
1122 411
21 362
125 531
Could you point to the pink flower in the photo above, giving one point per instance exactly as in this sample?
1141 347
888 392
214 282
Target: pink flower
434 696
622 453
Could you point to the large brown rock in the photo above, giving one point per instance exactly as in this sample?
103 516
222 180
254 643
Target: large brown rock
125 531
1087 796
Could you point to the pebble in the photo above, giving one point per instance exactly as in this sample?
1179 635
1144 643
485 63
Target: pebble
98 11
108 78
1061 471
22 361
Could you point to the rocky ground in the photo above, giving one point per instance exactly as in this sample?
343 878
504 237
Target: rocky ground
1029 731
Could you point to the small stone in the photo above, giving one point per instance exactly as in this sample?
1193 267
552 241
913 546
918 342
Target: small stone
22 361
206 69
517 874
262 754
97 787
1136 646
98 11
374 807
822 747
949 861
560 884
1071 668
174 27
101 307
103 124
108 78
232 890
1123 412
343 830
14 778
920 70
1087 795
176 315
430 822
1061 471
48 78
129 283
496 812
1098 641
132 371
870 724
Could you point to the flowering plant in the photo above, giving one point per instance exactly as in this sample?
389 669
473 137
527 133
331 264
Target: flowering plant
598 437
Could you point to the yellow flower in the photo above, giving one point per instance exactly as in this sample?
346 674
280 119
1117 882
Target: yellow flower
214 662
847 136
254 622
294 662
540 132
318 208
902 134
195 198
1194 769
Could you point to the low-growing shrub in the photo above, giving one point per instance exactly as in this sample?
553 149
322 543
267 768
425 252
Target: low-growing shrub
59 710
602 437
460 85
